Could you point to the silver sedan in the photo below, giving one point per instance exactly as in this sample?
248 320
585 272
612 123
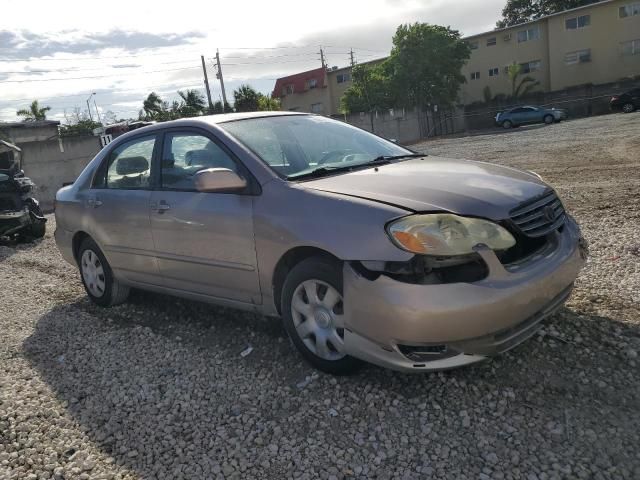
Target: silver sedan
367 250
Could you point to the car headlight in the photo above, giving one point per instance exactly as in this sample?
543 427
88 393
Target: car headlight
445 234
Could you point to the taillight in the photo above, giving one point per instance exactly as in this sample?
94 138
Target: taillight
615 97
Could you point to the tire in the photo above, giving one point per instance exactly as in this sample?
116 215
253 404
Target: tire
101 286
628 107
507 124
314 321
548 119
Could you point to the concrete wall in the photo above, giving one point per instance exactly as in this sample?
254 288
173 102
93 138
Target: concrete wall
50 168
28 131
411 125
302 101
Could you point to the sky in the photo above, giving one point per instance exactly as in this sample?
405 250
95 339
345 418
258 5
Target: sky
62 52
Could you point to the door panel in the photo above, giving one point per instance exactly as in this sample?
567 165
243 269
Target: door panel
204 242
120 224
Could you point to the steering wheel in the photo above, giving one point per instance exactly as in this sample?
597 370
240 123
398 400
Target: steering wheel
333 155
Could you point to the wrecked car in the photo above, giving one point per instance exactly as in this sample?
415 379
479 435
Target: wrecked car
20 213
368 251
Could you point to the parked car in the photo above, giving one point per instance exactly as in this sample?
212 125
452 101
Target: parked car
367 250
20 214
528 115
626 102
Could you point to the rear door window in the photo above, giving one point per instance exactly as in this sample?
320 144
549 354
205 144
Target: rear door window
128 166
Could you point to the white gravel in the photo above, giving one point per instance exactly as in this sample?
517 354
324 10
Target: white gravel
157 388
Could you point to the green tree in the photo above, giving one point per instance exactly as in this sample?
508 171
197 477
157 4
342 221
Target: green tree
521 85
424 65
268 103
521 11
82 127
246 99
370 91
34 112
153 106
193 103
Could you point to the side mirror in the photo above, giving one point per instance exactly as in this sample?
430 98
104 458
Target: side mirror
218 180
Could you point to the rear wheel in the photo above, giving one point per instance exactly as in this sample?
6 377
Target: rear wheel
628 107
98 280
313 315
548 119
507 124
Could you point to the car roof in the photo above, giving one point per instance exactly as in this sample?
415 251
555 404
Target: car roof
232 117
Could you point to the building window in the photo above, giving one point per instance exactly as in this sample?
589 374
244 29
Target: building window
491 41
529 34
288 90
343 77
475 75
632 47
312 83
316 108
494 72
532 66
629 10
581 56
574 23
474 44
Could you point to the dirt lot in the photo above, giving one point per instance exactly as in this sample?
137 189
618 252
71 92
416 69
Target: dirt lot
157 388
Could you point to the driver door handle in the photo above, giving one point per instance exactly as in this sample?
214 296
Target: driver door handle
160 207
94 202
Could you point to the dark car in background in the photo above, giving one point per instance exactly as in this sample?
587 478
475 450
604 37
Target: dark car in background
20 214
626 102
526 115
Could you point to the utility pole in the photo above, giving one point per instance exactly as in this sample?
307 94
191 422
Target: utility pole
89 107
219 76
206 84
97 111
353 62
322 59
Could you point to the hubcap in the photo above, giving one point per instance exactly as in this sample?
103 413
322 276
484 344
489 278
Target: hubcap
93 273
318 318
628 108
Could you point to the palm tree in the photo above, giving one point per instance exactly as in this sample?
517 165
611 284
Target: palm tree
246 99
193 103
524 86
34 112
152 105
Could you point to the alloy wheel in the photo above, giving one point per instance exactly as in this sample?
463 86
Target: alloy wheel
317 311
93 273
627 108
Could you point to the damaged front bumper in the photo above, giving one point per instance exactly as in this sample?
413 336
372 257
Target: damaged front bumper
412 327
13 221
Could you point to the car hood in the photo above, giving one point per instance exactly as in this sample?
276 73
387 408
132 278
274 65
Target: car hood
430 183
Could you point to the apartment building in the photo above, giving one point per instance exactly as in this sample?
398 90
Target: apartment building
597 44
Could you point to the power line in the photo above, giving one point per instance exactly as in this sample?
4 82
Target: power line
98 76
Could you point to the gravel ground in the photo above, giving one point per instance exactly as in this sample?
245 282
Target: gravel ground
157 388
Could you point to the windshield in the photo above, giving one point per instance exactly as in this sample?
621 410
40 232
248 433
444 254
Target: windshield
297 145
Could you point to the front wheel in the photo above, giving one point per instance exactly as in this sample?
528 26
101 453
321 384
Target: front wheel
548 119
628 107
507 124
313 315
98 280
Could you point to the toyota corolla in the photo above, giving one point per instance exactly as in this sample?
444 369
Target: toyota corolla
368 251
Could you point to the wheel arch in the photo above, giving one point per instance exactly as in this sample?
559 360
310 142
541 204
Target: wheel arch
76 241
290 259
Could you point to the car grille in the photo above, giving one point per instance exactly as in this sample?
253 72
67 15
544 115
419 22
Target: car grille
7 204
539 216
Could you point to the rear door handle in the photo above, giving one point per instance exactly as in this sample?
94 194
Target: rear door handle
160 207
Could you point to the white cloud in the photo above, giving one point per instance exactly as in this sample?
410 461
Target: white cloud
152 48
